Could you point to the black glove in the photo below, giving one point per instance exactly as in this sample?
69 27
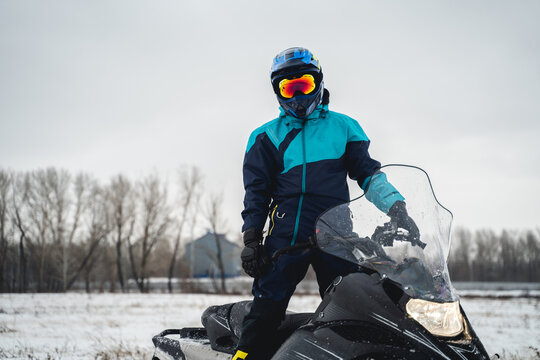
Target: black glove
255 261
399 216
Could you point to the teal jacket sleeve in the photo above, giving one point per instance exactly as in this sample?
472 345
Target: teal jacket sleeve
381 192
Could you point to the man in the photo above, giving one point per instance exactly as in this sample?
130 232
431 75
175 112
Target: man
295 168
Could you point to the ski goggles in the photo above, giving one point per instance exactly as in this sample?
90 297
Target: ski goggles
305 84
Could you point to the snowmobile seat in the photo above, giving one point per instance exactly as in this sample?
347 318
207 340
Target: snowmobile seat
223 324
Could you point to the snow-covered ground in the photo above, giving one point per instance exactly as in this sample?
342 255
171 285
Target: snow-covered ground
119 326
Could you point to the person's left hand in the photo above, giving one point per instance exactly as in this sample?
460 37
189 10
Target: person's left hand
398 215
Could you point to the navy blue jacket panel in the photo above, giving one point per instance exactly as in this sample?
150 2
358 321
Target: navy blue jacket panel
295 169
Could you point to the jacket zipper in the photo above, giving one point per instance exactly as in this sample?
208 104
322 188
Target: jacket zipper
295 234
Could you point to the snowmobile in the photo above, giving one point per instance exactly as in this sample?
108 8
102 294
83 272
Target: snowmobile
398 303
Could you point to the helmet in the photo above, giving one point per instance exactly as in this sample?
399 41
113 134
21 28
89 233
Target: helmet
297 61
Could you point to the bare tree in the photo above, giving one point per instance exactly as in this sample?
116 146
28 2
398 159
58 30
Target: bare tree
215 219
460 259
485 251
507 264
193 222
532 248
59 182
5 187
20 218
65 200
154 223
96 230
122 200
39 202
189 181
66 210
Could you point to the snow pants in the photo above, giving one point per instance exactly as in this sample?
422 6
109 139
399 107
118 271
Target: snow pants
273 291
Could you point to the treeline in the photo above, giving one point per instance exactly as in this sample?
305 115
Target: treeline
57 229
488 256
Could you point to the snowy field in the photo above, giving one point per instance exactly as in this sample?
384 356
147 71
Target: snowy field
120 326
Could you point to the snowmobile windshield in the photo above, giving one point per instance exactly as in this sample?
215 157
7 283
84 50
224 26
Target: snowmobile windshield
361 233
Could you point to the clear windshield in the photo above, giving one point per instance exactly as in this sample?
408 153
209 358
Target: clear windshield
361 233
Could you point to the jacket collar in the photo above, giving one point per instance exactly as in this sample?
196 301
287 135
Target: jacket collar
314 115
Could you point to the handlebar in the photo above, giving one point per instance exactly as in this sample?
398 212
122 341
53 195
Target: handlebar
311 244
389 232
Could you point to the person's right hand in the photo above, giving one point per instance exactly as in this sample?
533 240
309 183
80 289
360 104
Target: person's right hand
255 261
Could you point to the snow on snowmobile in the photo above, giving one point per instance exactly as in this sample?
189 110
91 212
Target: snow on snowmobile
399 302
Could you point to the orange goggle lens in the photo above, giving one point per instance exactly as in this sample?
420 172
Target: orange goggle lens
288 87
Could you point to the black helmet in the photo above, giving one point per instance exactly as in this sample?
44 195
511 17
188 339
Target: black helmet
291 63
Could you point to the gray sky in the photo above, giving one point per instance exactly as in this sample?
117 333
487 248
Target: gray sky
137 86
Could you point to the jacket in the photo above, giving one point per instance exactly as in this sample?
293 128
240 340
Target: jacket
295 169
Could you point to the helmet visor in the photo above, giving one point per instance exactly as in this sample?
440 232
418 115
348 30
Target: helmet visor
305 84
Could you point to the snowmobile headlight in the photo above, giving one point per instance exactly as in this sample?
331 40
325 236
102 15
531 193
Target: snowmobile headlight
440 319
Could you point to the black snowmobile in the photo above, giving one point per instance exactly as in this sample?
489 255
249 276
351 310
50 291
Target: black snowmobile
399 304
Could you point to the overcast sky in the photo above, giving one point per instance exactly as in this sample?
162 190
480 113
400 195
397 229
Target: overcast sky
131 87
